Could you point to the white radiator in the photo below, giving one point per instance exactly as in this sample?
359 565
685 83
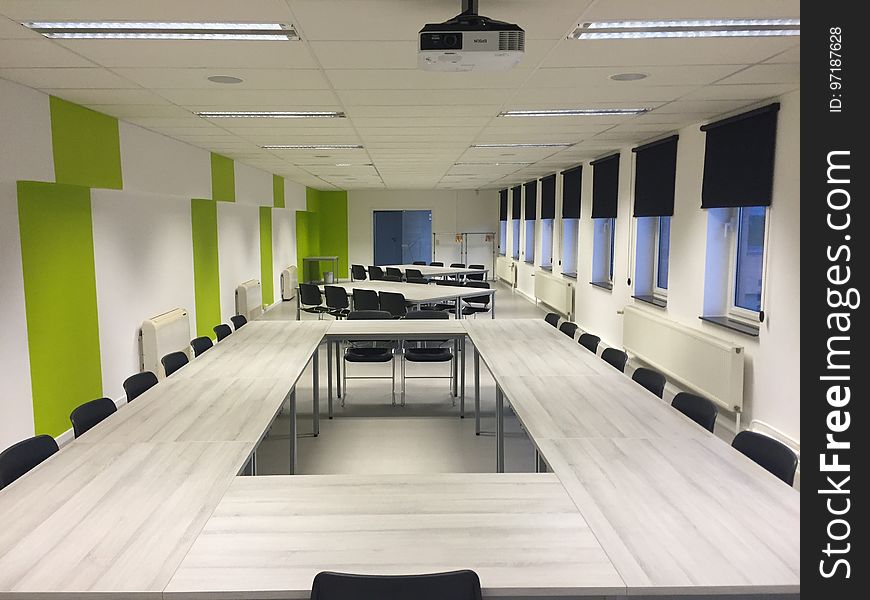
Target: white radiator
289 283
704 364
506 270
249 299
160 335
555 291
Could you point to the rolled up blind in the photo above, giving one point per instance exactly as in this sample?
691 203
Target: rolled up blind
654 179
605 187
502 205
548 197
517 201
571 180
738 159
531 200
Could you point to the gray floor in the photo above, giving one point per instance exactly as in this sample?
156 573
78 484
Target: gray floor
425 436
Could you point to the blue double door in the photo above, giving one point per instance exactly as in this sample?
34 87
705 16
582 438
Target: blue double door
402 236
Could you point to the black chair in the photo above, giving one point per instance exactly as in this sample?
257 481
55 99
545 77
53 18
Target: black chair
454 585
174 361
370 352
394 278
699 409
590 342
427 354
138 384
19 458
447 304
358 273
417 280
476 276
90 413
311 300
476 304
568 328
222 331
200 345
616 358
238 321
436 263
394 272
456 266
419 262
413 273
651 380
552 319
376 273
771 454
336 301
393 303
365 300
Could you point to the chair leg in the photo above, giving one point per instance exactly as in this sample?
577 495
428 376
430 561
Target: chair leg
393 379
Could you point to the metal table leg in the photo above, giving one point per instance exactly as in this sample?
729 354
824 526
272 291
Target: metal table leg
338 354
298 304
329 376
462 377
315 389
492 302
455 369
499 430
476 392
458 308
293 431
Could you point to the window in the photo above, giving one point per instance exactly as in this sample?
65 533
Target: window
530 214
516 209
602 252
502 221
530 242
502 237
515 242
748 262
570 228
547 244
663 247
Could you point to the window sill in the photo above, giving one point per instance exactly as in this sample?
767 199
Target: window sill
547 268
659 302
570 276
604 285
529 262
733 325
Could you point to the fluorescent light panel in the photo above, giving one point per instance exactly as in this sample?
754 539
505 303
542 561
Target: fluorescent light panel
311 147
123 30
543 145
574 112
271 114
609 30
495 164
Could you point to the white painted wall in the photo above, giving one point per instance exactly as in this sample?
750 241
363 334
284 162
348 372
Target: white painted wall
452 212
253 186
238 250
25 134
16 403
154 163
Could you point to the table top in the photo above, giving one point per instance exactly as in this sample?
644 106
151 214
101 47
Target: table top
417 328
415 292
521 533
429 271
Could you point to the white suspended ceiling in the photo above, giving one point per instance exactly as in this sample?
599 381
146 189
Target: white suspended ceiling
359 56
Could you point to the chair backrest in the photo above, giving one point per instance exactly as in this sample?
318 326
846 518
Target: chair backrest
358 273
552 319
90 413
568 328
427 314
419 262
375 273
475 276
589 341
418 280
238 321
19 458
455 585
436 263
368 315
416 273
200 345
394 272
336 297
309 294
615 357
771 454
452 282
138 384
222 331
650 379
478 299
395 278
173 361
365 300
699 409
394 303
457 265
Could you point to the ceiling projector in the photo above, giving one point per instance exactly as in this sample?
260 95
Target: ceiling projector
470 42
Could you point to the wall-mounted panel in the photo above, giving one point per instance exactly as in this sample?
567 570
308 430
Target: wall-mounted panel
238 227
25 128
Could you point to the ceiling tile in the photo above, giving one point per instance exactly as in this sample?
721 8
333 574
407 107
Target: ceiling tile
72 77
253 79
38 53
767 73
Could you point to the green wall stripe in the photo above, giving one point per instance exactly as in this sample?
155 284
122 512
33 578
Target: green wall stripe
223 178
206 272
326 229
57 255
278 191
267 279
86 146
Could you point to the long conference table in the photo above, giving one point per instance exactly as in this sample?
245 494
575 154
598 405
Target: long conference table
638 499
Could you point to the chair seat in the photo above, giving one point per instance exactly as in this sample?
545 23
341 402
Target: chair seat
428 354
316 309
339 313
368 355
470 310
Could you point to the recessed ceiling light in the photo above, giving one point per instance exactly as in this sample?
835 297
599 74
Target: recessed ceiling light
491 163
224 79
628 76
311 147
124 30
542 145
272 114
610 30
573 112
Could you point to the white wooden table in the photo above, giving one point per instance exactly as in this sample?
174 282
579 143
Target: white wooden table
521 533
430 271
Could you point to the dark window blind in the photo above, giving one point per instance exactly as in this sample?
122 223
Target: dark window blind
531 200
655 175
571 181
738 160
502 205
548 197
605 187
517 201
